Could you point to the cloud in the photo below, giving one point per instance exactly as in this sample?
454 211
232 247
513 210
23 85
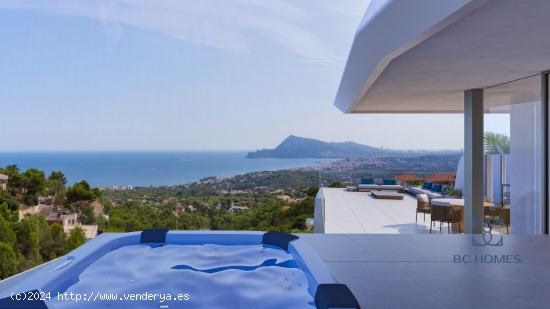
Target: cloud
236 25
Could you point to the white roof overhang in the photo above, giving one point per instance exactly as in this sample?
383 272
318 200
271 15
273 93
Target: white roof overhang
420 56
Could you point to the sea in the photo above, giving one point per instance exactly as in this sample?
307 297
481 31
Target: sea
165 168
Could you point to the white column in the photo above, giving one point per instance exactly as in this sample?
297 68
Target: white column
473 161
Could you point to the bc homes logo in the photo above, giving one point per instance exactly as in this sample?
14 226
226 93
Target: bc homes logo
487 239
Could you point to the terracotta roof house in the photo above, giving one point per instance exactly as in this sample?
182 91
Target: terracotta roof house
442 178
408 178
98 208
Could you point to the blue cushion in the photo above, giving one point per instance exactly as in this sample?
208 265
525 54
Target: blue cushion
426 185
367 181
437 187
390 182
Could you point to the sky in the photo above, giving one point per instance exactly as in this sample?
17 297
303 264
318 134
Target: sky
187 75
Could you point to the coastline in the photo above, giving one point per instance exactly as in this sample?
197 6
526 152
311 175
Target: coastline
146 169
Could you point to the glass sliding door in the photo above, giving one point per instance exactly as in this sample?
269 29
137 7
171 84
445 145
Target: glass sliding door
546 107
514 150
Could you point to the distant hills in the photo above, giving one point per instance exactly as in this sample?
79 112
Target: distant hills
302 147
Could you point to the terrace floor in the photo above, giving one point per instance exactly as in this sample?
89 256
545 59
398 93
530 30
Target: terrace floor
359 212
420 271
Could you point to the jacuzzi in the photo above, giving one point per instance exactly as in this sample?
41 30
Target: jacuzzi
158 268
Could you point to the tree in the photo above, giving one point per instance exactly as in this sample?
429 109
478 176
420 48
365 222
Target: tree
496 143
81 191
312 191
56 187
47 251
57 176
59 239
9 260
27 238
9 200
34 180
76 238
87 215
100 223
11 170
6 232
5 211
336 184
16 179
30 199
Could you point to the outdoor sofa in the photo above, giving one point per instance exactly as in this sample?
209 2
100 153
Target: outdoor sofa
432 190
371 184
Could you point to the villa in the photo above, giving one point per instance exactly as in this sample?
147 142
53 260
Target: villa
478 58
408 242
67 219
236 208
481 59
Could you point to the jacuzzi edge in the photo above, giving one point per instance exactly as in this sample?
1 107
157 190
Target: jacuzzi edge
51 272
59 272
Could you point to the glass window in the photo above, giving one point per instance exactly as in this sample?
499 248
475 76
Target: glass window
514 152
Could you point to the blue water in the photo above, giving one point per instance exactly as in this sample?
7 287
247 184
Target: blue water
148 168
243 278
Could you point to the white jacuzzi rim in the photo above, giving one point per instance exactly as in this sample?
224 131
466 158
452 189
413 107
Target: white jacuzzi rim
52 276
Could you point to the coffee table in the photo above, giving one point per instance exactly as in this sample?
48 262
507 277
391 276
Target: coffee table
387 195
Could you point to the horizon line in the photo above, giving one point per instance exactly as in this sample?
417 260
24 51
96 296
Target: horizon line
186 150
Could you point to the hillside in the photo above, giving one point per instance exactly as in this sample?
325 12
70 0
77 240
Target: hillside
301 147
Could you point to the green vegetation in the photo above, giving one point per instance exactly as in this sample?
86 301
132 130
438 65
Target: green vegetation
9 260
336 184
264 201
31 241
76 238
82 191
268 217
265 211
496 143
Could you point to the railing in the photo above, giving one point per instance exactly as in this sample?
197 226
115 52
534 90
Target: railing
350 178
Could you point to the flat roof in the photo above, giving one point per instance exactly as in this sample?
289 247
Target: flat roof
358 212
420 56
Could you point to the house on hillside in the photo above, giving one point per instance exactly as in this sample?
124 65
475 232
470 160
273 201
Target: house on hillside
4 181
98 208
33 210
408 179
446 179
69 221
236 208
179 208
64 217
46 200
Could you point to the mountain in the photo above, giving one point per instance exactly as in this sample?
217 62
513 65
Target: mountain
301 147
